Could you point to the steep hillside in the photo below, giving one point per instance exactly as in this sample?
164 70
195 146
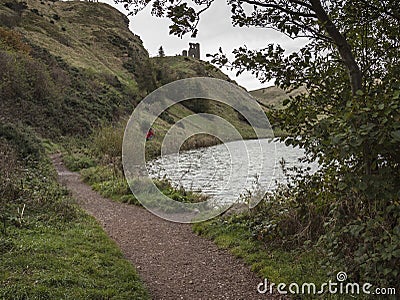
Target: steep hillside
69 66
86 35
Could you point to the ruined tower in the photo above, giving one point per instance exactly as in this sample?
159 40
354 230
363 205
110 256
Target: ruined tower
194 50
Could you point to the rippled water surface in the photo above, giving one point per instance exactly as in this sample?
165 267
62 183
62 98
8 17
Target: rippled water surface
229 170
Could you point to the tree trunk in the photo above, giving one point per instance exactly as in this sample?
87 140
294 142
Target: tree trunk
343 46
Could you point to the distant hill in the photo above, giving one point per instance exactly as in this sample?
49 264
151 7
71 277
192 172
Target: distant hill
173 68
273 97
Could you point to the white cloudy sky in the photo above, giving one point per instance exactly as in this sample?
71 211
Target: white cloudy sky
215 31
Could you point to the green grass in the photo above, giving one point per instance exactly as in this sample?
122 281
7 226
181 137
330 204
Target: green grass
110 183
75 261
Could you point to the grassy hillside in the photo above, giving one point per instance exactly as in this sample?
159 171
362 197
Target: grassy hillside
68 66
170 68
273 97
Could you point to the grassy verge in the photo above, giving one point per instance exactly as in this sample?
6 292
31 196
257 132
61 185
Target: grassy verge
278 264
111 183
274 263
74 261
49 248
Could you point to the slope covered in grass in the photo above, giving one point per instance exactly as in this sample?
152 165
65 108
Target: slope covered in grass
68 66
273 97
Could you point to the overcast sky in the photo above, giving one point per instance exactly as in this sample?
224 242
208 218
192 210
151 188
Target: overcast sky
215 31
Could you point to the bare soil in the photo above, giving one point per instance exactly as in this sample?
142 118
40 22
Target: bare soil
173 262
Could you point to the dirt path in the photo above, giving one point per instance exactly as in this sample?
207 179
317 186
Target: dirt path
173 262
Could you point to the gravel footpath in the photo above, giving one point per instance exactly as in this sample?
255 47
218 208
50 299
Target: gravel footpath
172 261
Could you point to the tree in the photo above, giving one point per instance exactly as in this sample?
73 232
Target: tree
161 52
348 121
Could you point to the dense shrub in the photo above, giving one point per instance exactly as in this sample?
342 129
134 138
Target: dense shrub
10 39
197 105
17 6
77 161
107 141
10 170
22 139
142 69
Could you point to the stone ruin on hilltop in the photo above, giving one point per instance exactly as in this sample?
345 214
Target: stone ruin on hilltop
194 51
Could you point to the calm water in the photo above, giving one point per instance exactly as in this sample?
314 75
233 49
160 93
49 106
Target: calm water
227 171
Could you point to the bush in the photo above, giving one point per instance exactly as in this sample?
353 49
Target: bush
9 173
78 161
28 185
97 174
10 39
17 6
113 188
10 21
24 140
35 11
197 105
167 118
107 141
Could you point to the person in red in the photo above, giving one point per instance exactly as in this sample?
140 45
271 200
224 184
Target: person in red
150 134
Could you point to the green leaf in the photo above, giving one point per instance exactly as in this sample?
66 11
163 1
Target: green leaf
286 102
396 135
387 270
341 186
360 93
363 186
396 253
